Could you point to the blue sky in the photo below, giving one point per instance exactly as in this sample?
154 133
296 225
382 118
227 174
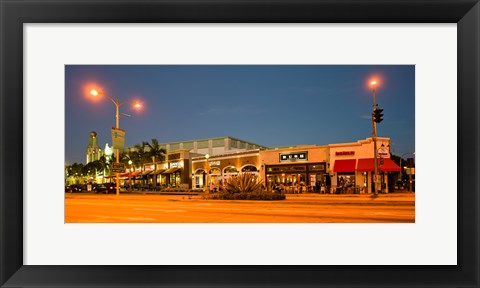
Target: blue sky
271 105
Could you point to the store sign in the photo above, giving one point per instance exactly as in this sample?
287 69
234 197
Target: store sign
174 164
149 167
214 163
118 167
344 153
383 152
297 156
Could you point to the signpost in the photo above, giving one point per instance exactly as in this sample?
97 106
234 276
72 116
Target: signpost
118 167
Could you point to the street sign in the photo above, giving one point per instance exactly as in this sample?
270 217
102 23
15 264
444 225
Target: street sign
383 152
118 167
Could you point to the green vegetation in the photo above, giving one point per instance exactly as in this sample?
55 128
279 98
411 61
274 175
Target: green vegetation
243 182
244 186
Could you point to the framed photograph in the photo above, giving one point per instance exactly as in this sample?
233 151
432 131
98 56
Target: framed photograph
45 44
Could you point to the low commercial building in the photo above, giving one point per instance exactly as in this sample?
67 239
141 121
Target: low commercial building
332 168
212 171
352 165
296 169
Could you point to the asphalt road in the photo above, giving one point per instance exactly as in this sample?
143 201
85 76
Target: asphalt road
303 208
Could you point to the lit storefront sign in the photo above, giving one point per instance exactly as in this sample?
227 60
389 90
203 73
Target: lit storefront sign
297 156
149 167
344 153
175 164
214 163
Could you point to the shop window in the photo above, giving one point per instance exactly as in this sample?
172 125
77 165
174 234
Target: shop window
317 167
200 172
215 171
346 179
230 170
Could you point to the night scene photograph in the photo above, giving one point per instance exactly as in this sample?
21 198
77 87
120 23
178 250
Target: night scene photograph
239 144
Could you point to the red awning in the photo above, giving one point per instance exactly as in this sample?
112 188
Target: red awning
135 173
128 174
346 165
366 165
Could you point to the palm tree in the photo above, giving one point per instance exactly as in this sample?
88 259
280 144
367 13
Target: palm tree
125 158
140 155
158 155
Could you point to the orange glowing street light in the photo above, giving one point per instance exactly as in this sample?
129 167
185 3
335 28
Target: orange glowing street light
117 103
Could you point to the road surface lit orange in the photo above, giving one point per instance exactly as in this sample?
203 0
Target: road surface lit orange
303 208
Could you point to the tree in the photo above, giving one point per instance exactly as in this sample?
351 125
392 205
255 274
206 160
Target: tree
140 156
75 170
157 154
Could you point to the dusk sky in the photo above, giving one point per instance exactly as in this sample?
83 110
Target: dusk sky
270 105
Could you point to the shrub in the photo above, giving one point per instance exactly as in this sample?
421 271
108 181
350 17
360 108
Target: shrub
243 182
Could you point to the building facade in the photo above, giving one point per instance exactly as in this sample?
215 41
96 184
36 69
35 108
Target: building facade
212 171
296 169
208 163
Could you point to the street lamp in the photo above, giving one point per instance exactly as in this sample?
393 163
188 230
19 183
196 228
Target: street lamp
130 173
117 104
374 136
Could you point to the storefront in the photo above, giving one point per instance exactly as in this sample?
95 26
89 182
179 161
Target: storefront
295 169
211 172
173 172
384 166
345 172
353 166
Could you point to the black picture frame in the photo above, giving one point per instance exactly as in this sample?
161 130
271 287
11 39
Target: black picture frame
15 13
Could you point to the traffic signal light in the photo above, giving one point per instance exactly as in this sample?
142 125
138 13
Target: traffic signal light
377 115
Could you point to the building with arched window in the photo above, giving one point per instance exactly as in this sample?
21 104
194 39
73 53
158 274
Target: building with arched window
208 163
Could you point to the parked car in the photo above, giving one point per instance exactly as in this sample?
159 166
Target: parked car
77 188
68 188
106 188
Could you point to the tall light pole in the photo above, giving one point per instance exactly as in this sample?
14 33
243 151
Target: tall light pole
374 136
130 173
117 104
